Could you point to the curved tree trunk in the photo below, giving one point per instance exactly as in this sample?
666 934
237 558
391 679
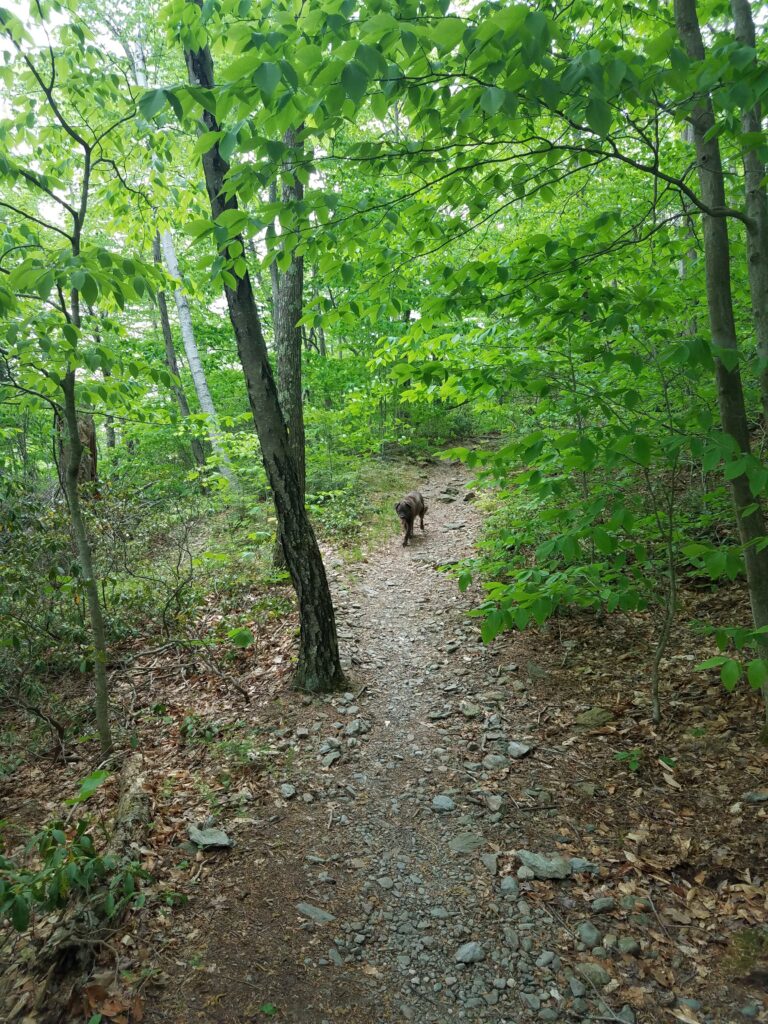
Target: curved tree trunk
730 393
171 362
756 206
319 668
135 53
199 379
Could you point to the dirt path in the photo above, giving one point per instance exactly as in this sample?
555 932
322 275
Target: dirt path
383 885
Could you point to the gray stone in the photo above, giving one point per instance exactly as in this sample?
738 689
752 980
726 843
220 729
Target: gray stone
492 762
287 791
468 709
593 974
208 837
586 788
357 727
543 866
531 1000
443 803
545 959
330 758
517 750
756 796
490 861
629 946
627 1014
602 904
594 718
525 874
510 886
493 803
385 882
578 988
579 866
469 953
750 1010
466 842
316 914
588 934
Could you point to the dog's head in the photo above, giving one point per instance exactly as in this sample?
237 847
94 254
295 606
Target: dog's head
403 509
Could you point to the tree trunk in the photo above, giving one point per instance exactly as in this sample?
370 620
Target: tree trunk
87 472
756 207
319 668
289 308
135 53
109 421
171 362
733 414
195 365
71 475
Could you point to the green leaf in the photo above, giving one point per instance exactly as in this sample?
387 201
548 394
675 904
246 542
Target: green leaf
355 81
241 637
492 99
71 333
89 785
712 662
227 146
492 626
267 77
268 1009
90 289
757 673
599 116
20 913
151 103
447 33
730 673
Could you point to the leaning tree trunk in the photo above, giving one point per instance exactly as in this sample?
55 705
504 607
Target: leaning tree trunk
318 668
172 363
289 307
287 310
71 476
756 206
730 393
136 56
199 379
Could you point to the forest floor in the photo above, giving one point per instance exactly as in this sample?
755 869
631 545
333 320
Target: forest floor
453 838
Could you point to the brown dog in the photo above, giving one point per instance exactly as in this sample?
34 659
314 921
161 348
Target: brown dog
411 506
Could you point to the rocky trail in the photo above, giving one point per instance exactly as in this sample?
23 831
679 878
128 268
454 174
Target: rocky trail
421 859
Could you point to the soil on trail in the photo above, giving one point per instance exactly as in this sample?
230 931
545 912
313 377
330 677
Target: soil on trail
368 848
382 880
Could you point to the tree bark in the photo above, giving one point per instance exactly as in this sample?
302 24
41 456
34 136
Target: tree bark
109 421
71 475
319 668
730 393
194 362
756 207
289 308
172 363
87 472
